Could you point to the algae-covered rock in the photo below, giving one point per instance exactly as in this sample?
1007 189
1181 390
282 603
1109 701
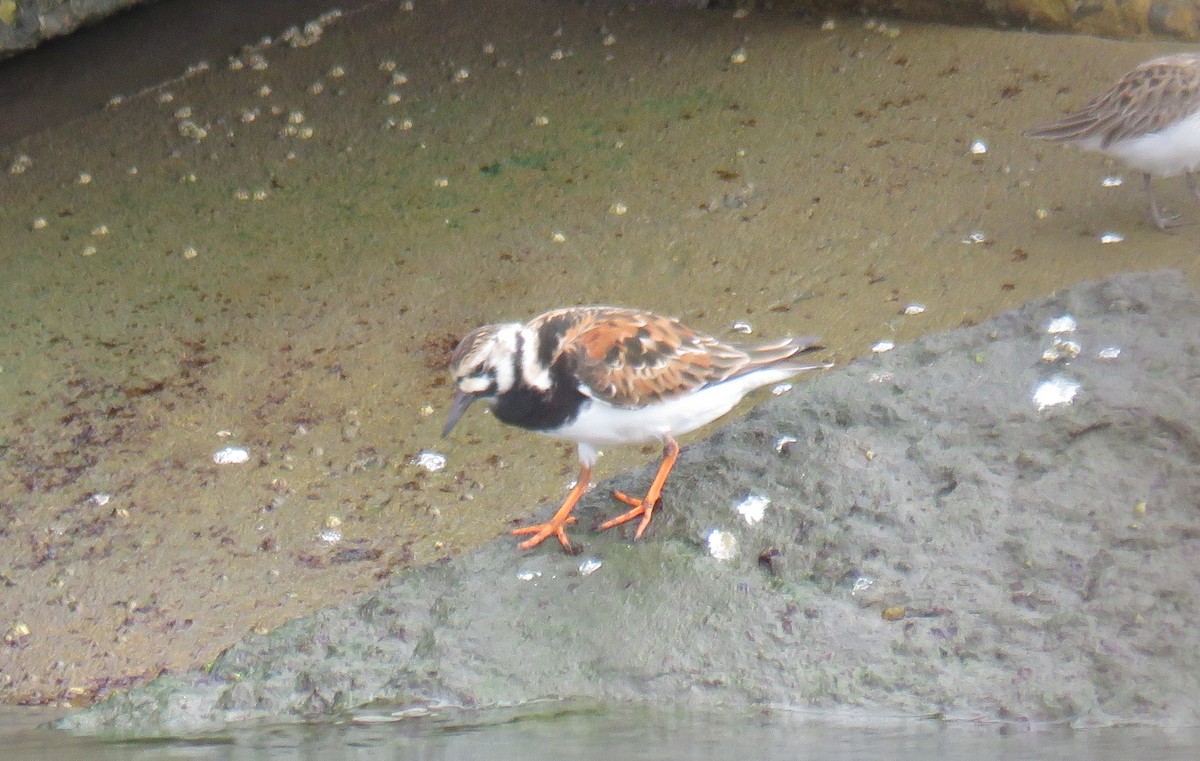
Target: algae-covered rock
941 538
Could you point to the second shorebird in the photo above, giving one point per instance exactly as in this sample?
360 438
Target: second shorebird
1150 119
600 376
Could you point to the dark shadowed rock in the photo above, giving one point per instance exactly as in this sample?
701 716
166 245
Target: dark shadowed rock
24 25
935 544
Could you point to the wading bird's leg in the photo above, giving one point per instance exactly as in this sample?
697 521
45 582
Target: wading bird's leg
645 506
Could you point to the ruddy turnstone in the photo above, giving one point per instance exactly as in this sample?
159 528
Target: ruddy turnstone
1150 119
600 376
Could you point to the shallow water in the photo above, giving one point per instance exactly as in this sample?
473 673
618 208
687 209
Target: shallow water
630 734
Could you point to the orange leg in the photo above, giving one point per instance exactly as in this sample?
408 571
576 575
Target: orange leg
645 506
557 525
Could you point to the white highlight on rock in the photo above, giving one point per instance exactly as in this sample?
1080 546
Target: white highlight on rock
914 309
589 566
752 509
1109 353
722 545
1064 324
430 460
330 535
979 147
1058 390
1111 237
231 456
783 442
883 346
1112 181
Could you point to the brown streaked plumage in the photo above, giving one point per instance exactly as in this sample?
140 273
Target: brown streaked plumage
1150 119
631 358
599 375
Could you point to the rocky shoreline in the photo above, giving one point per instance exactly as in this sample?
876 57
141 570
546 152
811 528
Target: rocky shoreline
944 537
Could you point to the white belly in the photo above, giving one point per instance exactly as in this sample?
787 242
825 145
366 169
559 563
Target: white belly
1165 153
600 424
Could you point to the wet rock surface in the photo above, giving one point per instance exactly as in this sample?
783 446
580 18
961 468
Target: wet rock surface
24 25
935 544
1109 18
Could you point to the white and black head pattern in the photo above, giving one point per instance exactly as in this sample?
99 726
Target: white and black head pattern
502 365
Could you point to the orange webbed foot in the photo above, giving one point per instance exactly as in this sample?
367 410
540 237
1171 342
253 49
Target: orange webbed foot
557 525
640 508
645 506
542 531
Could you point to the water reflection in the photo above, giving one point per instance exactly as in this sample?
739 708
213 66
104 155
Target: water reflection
627 733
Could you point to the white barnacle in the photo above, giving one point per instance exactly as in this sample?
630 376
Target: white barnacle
783 443
1062 324
722 545
430 460
189 129
753 508
231 456
1057 390
1061 350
